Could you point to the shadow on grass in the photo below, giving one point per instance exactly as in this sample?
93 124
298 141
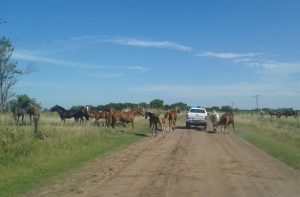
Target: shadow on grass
141 134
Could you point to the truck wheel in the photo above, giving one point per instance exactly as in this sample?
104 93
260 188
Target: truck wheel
187 125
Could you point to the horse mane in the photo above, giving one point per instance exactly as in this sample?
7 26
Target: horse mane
61 108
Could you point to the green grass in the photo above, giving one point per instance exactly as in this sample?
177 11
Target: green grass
27 162
278 137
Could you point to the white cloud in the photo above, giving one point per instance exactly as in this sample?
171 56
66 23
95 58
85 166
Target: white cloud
152 44
21 55
227 55
219 91
269 68
276 72
138 69
105 75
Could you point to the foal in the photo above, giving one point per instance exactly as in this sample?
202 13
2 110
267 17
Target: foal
154 120
98 115
172 116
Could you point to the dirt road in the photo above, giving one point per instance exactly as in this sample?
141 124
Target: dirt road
184 163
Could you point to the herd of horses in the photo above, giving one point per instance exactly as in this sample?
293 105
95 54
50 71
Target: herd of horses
166 121
277 113
163 122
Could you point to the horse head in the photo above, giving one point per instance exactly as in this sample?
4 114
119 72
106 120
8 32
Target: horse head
141 111
57 108
177 109
147 114
54 108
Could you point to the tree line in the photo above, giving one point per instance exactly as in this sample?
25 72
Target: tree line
154 104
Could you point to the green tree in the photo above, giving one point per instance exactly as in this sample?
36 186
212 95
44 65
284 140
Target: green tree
157 104
143 104
181 105
9 72
24 101
167 107
226 108
216 108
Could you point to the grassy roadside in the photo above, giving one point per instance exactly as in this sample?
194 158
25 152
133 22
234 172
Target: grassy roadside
26 162
278 137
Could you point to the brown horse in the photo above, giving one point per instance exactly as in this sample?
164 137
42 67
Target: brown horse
225 121
33 111
126 117
172 117
18 112
99 115
111 111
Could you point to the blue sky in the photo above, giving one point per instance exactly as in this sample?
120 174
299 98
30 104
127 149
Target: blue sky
199 52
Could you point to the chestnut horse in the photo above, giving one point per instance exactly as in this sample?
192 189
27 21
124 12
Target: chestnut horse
126 117
172 116
225 121
99 115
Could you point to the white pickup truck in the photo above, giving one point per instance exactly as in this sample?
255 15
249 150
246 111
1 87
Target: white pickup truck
196 116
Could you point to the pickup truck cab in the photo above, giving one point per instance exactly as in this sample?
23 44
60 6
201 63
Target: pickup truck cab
196 116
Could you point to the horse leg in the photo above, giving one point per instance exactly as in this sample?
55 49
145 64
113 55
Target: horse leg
227 126
113 124
161 126
17 120
150 127
107 121
155 128
125 125
174 124
223 128
132 123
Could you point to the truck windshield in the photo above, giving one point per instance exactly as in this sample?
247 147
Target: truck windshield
197 111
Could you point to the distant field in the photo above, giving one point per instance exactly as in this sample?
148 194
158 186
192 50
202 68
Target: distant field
278 137
26 162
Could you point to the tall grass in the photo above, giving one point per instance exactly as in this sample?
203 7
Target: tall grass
278 137
26 161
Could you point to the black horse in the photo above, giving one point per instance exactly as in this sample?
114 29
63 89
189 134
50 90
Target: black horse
80 114
64 114
18 112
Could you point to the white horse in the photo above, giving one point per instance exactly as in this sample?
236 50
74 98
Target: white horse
214 118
